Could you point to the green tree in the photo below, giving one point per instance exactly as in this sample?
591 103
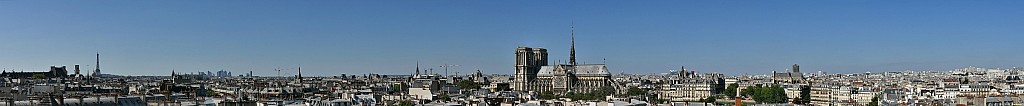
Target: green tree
596 95
874 101
731 90
38 76
211 93
467 84
604 91
443 97
397 87
503 87
777 95
657 99
636 92
710 99
750 91
773 94
805 95
720 86
404 103
548 95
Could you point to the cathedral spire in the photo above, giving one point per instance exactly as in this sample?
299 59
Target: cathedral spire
572 47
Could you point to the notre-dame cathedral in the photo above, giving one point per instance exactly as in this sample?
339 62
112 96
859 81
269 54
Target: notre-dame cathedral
534 74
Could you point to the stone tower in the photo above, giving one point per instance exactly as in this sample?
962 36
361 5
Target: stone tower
796 68
528 63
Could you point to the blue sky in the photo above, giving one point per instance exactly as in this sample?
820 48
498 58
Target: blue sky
359 37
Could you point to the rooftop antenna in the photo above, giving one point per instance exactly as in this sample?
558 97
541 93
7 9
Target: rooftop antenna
278 76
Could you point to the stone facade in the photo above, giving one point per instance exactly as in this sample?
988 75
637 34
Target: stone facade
532 74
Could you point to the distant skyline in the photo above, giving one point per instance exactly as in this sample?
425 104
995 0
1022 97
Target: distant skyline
329 38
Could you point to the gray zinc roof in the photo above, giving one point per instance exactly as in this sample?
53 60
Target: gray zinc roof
580 69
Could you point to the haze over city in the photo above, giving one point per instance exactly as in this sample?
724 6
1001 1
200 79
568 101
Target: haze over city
389 37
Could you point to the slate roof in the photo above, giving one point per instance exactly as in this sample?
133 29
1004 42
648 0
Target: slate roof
584 69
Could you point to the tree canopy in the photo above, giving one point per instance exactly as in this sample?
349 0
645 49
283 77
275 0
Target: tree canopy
38 76
773 94
595 95
636 92
467 84
805 95
404 103
731 90
874 101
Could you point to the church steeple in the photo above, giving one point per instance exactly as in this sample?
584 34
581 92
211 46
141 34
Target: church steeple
417 68
572 47
299 75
